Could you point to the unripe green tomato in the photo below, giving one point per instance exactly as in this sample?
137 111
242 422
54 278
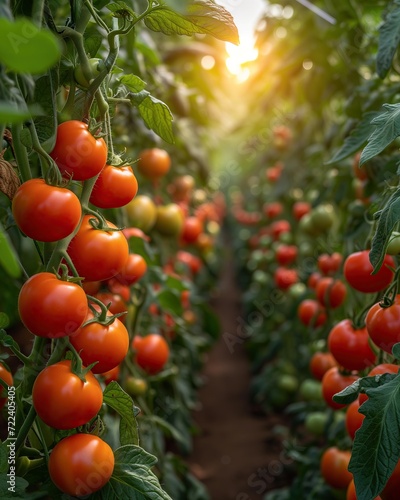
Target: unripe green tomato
312 195
288 383
306 248
311 390
261 277
393 247
141 212
257 255
297 290
286 238
135 386
96 65
278 399
323 217
307 226
315 422
265 241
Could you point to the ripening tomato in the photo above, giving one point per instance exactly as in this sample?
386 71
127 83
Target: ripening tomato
7 377
135 232
81 464
141 212
154 163
279 227
62 400
77 153
105 345
330 292
391 490
383 324
350 346
334 467
98 254
320 363
300 209
91 287
329 264
379 370
170 220
357 271
152 352
134 268
50 307
192 228
311 313
182 188
273 209
285 278
115 187
111 375
44 212
354 418
333 382
286 254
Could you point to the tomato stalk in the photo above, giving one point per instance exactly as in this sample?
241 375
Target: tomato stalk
20 153
37 12
101 316
25 428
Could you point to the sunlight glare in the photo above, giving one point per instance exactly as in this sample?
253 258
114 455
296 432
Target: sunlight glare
239 55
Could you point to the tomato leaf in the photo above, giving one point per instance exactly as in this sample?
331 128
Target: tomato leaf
93 39
168 429
396 350
357 138
45 96
389 39
132 477
157 117
388 217
133 83
169 301
21 42
387 128
19 493
8 256
175 284
351 392
211 323
204 17
115 397
376 448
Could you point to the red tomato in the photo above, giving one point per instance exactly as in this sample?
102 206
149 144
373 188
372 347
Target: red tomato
286 254
194 263
357 271
279 227
320 363
300 209
273 209
91 287
192 228
334 467
105 344
311 313
152 352
285 278
50 307
154 163
330 292
8 379
130 232
329 264
354 418
333 382
96 253
77 153
116 303
44 212
115 187
391 490
62 400
117 288
81 464
350 346
135 268
351 492
313 280
112 375
383 324
379 370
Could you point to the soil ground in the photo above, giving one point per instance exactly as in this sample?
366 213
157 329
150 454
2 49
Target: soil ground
237 453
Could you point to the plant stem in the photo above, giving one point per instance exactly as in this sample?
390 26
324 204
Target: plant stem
37 12
26 427
20 152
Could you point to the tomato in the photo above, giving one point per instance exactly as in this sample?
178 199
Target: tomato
117 288
279 227
357 271
91 287
313 280
154 163
135 268
205 243
115 187
152 352
273 209
77 153
141 213
323 217
350 346
191 261
98 254
311 313
391 490
105 344
320 363
354 418
315 422
134 232
192 228
334 467
311 390
135 386
359 172
333 382
81 464
285 278
330 292
351 492
62 400
273 173
116 303
393 247
111 375
379 370
44 212
50 307
8 379
169 220
329 264
383 324
300 209
286 254
181 188
95 64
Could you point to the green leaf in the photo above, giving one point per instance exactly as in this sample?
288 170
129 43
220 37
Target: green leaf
115 397
168 429
387 128
175 284
389 38
348 394
357 139
8 341
396 350
8 256
376 448
10 113
158 117
211 323
132 477
169 301
388 218
45 96
93 39
133 83
121 9
26 49
204 17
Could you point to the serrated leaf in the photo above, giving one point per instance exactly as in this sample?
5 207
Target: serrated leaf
204 17
376 448
115 397
132 477
157 117
133 83
170 302
389 38
21 42
387 129
388 218
357 139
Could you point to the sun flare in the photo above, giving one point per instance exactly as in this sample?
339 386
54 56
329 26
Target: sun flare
238 55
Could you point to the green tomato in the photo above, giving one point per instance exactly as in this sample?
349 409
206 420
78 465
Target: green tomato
135 386
288 383
323 217
297 290
96 65
315 422
311 390
393 247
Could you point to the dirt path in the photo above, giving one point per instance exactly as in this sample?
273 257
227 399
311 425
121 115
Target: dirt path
237 454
